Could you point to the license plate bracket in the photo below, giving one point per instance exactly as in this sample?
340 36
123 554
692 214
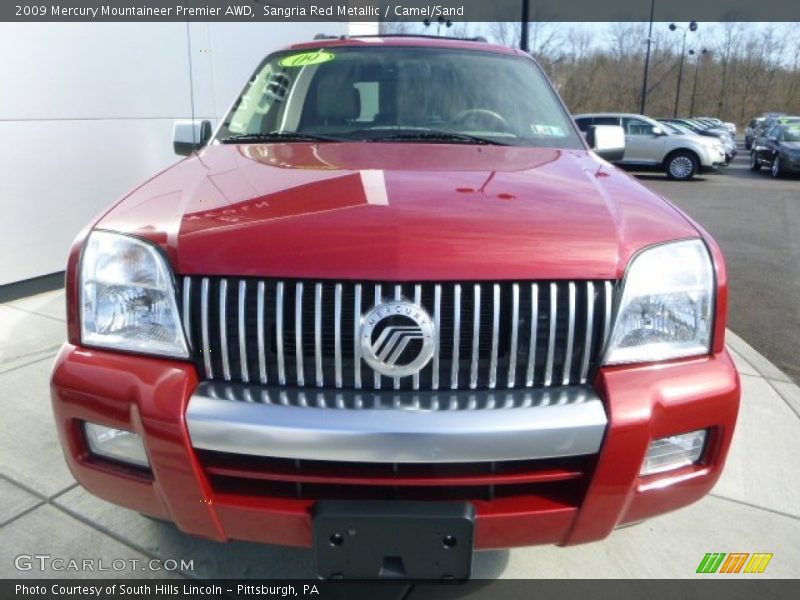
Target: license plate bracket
394 539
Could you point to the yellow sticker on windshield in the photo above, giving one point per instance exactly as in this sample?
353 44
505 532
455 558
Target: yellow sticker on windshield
307 58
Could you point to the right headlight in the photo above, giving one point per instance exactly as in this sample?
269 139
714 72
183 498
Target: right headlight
667 305
128 297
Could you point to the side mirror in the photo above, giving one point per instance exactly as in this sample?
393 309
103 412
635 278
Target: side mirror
658 131
188 136
607 141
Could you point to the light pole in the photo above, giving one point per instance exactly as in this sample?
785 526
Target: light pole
523 34
697 60
643 97
673 27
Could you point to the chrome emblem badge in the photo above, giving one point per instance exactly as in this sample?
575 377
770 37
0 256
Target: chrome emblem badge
397 338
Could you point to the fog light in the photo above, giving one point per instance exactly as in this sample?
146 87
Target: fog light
116 444
674 452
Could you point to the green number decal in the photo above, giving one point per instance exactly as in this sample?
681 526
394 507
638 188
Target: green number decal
307 58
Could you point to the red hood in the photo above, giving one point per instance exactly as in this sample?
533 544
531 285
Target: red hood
399 212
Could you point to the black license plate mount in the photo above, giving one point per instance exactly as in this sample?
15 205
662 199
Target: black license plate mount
393 539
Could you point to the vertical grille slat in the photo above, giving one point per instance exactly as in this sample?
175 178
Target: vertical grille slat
298 333
377 376
262 352
486 334
337 334
356 338
187 309
204 306
320 378
242 314
587 343
476 337
532 342
456 359
279 333
223 328
551 337
512 351
570 334
495 335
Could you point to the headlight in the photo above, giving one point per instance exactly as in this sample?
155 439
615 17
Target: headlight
667 305
128 297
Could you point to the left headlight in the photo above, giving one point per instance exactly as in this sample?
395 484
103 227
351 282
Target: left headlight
667 305
128 297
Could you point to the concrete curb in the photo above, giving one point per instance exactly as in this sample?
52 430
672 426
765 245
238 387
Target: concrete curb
780 382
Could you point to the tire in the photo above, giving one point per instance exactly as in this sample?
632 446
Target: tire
754 164
777 168
681 165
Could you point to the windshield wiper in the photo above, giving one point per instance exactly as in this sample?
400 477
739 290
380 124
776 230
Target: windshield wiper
433 135
279 136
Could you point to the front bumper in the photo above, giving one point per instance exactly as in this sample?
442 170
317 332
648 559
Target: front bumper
154 398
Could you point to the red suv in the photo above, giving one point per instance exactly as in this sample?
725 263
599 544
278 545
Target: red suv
395 308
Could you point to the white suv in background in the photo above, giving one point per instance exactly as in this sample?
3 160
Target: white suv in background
648 143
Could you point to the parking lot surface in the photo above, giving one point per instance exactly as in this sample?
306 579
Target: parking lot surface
754 507
756 220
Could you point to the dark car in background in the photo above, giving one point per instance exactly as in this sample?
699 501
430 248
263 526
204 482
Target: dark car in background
778 149
750 132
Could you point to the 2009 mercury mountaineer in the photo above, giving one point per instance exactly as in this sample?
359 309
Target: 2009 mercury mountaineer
396 308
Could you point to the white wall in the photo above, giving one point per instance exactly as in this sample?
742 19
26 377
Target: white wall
86 113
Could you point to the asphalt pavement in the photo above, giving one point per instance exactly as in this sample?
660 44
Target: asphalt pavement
756 220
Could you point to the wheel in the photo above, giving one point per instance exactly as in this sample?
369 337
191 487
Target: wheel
754 164
777 168
681 166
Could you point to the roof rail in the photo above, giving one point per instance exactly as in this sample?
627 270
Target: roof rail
323 36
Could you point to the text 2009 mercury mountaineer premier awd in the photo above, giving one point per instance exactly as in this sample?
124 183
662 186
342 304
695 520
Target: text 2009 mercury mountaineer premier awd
396 309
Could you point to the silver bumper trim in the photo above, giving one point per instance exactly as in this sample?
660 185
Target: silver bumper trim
404 427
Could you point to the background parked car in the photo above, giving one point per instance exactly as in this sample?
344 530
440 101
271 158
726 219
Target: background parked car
778 149
721 133
649 145
714 144
750 131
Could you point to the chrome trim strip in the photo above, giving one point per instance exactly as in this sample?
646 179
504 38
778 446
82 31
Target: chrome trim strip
318 334
551 340
337 333
398 295
512 352
262 353
587 343
495 336
376 377
476 336
187 310
548 423
223 328
437 321
607 322
243 370
279 333
534 334
357 339
204 308
418 302
456 335
298 333
570 335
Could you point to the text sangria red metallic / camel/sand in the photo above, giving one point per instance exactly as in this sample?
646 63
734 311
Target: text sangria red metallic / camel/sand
396 292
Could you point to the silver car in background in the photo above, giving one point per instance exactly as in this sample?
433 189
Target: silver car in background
649 144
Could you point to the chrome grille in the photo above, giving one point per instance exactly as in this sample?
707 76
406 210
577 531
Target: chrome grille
304 333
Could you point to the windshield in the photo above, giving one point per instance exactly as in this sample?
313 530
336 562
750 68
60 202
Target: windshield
791 134
400 93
